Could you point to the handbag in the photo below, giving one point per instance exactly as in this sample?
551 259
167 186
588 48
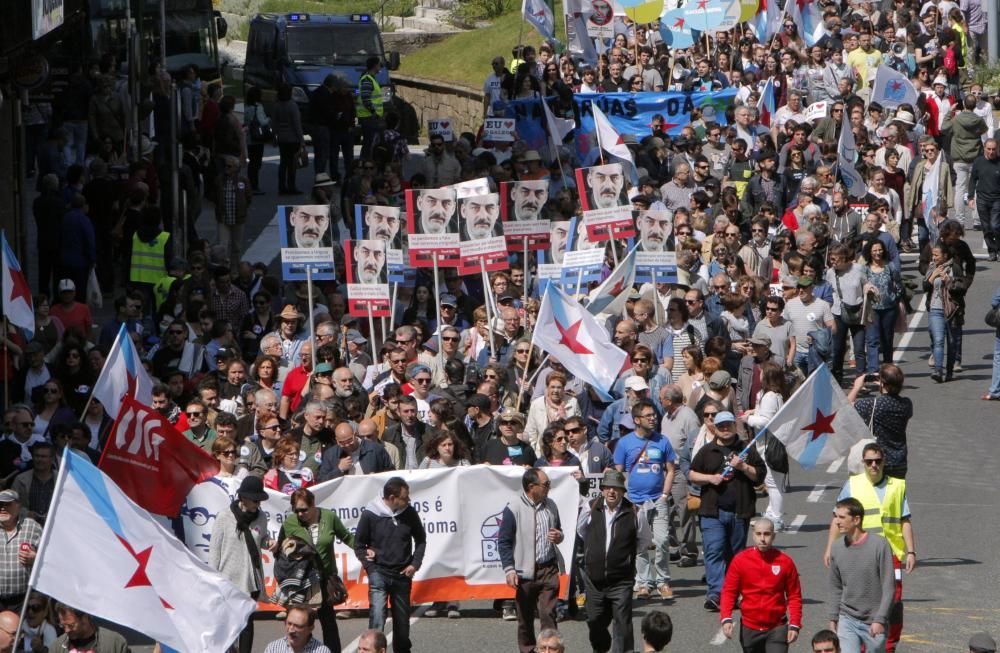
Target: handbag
303 157
336 590
850 314
948 304
694 503
993 318
259 133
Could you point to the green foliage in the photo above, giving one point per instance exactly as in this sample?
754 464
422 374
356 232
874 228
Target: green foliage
377 8
470 11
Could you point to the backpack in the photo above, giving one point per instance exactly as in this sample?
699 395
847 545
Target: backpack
775 455
950 61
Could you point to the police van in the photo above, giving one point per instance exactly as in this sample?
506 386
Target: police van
302 49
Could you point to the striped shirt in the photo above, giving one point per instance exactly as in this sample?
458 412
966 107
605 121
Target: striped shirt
806 318
544 549
282 646
14 575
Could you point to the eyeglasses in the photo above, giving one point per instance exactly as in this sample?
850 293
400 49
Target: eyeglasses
710 415
273 427
648 416
771 309
523 351
228 452
35 607
640 359
403 342
194 413
559 439
872 461
424 380
723 286
507 422
300 511
574 431
545 484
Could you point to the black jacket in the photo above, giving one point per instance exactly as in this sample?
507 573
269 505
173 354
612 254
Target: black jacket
712 459
394 435
372 457
617 563
398 540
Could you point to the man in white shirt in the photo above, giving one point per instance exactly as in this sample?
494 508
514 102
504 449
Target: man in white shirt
494 85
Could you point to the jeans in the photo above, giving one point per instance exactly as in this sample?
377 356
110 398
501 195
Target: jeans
321 148
652 566
995 381
963 171
857 333
612 603
369 128
78 140
854 633
722 537
801 361
942 332
383 587
879 337
231 238
989 219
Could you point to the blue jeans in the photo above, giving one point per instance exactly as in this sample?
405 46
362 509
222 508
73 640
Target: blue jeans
370 127
802 361
943 332
995 384
879 337
722 537
854 633
381 588
78 140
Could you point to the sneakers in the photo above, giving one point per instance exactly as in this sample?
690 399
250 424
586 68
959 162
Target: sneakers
345 614
666 593
509 613
453 612
642 593
688 561
957 368
711 604
432 612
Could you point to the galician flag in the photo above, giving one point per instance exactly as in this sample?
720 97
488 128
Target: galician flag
892 88
611 295
612 143
817 425
538 13
767 22
808 17
767 104
103 554
847 154
123 375
17 304
573 336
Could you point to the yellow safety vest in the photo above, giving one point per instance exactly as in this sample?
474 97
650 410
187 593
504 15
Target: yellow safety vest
883 517
147 259
361 110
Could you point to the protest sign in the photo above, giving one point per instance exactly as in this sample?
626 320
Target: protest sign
662 265
367 283
522 210
612 223
383 223
432 227
306 242
443 127
481 234
500 129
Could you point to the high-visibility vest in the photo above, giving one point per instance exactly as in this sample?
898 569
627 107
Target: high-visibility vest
361 110
883 517
147 259
161 289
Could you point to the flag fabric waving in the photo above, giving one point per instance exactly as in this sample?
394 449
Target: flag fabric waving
817 424
847 154
151 461
808 17
611 295
892 88
558 129
929 199
767 22
612 142
538 13
17 304
768 103
123 375
103 554
572 335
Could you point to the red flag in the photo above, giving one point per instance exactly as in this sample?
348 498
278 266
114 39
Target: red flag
151 461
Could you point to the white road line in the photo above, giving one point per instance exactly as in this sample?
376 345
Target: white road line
795 524
266 246
904 342
817 493
419 612
835 466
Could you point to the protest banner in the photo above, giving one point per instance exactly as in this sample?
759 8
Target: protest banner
432 227
443 127
582 266
658 266
522 210
306 242
601 187
613 223
816 110
383 223
367 282
500 130
462 562
483 242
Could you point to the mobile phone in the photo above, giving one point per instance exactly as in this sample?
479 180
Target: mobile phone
869 378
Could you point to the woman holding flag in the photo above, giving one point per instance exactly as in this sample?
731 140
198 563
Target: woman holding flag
771 397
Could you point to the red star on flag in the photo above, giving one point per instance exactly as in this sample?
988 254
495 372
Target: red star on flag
616 289
702 4
20 286
822 425
896 84
139 577
679 24
570 337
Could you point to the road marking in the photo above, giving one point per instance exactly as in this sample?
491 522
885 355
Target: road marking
265 247
419 612
904 342
795 524
817 492
835 466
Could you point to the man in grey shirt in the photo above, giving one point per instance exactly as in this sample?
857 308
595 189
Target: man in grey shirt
680 425
862 582
651 78
847 279
806 313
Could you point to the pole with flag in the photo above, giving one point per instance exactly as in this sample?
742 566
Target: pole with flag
103 554
539 14
610 141
767 104
611 295
122 375
18 308
558 129
847 154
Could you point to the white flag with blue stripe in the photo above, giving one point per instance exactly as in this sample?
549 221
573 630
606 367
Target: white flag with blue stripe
103 554
817 424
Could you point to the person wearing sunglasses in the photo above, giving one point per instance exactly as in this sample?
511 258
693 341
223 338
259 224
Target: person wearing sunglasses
230 475
81 634
198 430
36 624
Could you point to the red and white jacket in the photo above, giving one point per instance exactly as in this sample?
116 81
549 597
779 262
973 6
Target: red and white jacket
769 584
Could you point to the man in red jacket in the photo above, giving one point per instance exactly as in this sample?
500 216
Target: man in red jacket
772 598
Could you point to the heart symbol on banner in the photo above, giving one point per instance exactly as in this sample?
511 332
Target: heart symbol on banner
509 124
444 124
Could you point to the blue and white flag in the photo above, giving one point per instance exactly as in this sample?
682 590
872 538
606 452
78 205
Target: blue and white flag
538 13
568 332
105 555
123 374
929 198
847 154
17 304
611 295
817 424
892 88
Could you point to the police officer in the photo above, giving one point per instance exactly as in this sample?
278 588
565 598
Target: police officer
369 105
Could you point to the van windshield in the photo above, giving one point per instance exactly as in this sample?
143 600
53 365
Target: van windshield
346 45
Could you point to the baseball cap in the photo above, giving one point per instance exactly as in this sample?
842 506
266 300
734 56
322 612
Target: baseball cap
805 282
9 495
353 335
447 299
636 383
719 380
724 417
67 285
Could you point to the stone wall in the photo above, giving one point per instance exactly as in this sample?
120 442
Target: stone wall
433 99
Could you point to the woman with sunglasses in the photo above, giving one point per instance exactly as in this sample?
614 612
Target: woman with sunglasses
73 370
256 324
319 527
553 405
230 475
520 368
555 449
52 410
37 632
287 473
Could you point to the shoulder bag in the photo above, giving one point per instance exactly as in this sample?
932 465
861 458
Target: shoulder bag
849 313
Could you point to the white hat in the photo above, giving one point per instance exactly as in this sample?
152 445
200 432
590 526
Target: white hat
940 79
67 285
636 383
904 117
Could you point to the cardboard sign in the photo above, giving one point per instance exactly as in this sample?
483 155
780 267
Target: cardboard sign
481 234
609 224
306 242
383 223
367 278
432 225
522 209
584 265
499 129
443 127
816 110
601 187
662 265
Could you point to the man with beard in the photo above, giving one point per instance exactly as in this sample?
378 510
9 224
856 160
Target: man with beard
654 229
756 254
436 207
626 335
313 435
528 198
479 214
310 225
382 223
557 244
345 387
605 184
370 258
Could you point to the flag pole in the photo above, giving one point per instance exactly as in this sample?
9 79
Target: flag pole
43 542
437 306
371 331
656 293
6 364
392 308
600 146
312 328
524 377
524 262
114 347
488 292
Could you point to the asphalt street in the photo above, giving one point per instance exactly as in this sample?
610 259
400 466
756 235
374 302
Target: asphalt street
952 492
